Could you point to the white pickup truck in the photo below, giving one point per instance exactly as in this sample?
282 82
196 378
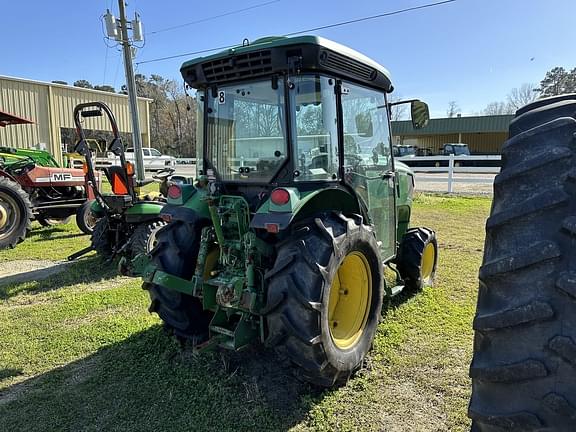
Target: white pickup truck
153 159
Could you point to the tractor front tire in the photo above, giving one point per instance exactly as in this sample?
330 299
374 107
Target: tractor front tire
175 253
417 258
85 219
524 363
100 240
15 213
324 298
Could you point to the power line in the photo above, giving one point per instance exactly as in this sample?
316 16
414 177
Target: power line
186 54
213 17
343 23
385 14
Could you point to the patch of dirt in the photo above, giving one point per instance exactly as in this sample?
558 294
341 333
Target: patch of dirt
266 378
19 271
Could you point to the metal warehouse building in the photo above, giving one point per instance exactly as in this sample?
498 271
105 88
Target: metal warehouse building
483 134
50 106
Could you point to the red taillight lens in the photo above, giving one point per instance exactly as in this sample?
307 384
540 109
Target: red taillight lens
280 196
174 191
130 168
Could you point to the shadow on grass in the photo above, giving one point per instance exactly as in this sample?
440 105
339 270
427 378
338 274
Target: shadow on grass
47 232
60 237
147 383
90 269
9 373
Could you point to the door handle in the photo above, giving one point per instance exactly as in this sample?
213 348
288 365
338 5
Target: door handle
388 175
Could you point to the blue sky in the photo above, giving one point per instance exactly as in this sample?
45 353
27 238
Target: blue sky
470 51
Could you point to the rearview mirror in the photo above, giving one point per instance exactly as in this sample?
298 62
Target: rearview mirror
420 114
364 125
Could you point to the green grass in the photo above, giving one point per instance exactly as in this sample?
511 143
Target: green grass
79 352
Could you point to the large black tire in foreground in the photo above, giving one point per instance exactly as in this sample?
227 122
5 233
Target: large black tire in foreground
176 252
325 298
15 213
417 258
524 365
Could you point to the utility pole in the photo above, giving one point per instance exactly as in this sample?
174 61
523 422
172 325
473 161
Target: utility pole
132 96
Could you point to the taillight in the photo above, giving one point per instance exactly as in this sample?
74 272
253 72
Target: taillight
129 168
280 196
174 191
85 168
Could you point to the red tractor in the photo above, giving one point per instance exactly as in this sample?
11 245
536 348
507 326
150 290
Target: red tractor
34 187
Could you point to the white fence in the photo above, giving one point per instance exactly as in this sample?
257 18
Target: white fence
424 174
454 165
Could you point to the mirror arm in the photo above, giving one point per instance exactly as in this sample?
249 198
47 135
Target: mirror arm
401 102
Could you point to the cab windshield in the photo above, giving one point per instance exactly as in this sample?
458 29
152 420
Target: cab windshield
246 139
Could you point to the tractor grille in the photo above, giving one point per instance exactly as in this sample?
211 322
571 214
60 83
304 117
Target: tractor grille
335 61
241 66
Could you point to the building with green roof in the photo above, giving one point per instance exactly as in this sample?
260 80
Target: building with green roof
483 134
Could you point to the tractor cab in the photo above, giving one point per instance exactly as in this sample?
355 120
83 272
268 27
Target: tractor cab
303 114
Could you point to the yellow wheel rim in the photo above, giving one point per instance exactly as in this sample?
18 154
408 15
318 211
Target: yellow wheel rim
427 265
3 216
349 304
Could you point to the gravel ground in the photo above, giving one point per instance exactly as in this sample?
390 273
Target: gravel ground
428 185
18 271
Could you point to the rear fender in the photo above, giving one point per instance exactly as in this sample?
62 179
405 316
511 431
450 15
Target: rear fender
304 205
144 211
193 208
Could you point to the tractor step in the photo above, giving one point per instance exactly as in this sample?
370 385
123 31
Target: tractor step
233 331
222 330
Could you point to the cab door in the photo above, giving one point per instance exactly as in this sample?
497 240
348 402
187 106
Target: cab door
368 165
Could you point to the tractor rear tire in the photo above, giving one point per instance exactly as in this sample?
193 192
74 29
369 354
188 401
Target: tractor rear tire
100 240
176 252
524 364
417 258
15 213
85 219
145 237
325 298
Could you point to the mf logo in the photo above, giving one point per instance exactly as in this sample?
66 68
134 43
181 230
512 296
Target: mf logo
61 177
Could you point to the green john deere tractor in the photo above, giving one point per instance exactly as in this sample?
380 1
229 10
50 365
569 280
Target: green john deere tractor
298 210
127 223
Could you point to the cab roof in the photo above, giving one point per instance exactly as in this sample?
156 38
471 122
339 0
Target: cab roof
338 58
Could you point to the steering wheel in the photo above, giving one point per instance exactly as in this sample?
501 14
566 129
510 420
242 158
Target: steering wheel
163 173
